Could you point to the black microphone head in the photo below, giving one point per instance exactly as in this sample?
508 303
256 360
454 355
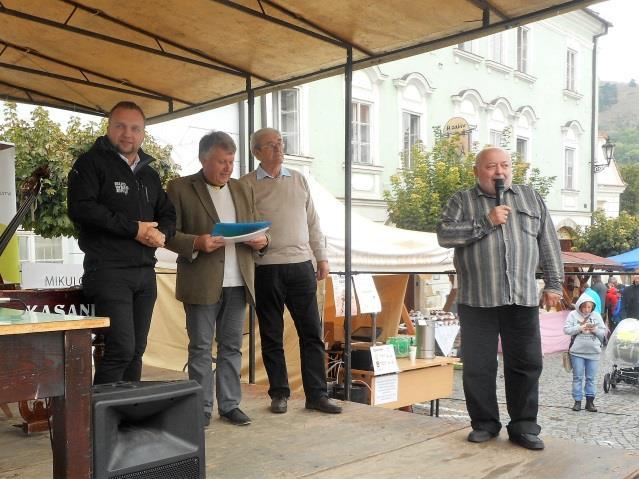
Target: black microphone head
499 191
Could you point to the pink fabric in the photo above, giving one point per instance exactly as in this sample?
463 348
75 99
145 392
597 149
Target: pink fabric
553 338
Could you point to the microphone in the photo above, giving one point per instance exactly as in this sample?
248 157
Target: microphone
7 300
499 191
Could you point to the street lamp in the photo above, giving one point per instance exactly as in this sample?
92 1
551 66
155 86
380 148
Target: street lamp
608 149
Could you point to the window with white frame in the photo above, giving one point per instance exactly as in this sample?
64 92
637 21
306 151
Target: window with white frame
524 133
361 132
288 119
569 168
522 49
411 136
522 148
571 67
496 51
469 111
34 248
470 46
495 137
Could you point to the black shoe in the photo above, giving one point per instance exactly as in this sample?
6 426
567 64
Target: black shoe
207 419
324 404
576 406
527 440
278 405
479 435
237 417
590 405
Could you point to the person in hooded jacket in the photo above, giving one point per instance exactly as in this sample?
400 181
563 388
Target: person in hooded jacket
122 214
587 329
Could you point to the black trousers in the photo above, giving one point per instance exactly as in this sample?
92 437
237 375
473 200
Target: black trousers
518 327
295 286
127 297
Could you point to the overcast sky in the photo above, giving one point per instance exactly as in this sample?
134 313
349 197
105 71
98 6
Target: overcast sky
618 60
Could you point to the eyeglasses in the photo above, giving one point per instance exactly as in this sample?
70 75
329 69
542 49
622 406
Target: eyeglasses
271 145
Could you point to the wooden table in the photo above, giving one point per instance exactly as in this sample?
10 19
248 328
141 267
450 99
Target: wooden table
49 355
419 381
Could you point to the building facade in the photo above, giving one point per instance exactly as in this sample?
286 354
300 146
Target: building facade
534 81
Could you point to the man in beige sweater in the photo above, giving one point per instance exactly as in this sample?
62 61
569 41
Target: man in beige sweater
286 276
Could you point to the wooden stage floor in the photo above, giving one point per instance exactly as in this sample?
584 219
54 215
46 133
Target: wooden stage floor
363 441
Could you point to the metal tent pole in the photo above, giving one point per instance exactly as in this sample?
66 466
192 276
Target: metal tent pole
348 152
250 99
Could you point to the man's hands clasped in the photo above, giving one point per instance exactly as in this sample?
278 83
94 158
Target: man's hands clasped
149 234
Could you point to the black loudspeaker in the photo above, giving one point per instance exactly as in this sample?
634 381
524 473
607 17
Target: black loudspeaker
148 430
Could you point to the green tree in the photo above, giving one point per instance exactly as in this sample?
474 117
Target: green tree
417 196
41 141
608 236
626 145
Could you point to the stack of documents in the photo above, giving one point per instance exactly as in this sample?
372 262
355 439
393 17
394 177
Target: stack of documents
239 232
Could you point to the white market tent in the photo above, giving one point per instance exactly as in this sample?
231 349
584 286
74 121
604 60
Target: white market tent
376 247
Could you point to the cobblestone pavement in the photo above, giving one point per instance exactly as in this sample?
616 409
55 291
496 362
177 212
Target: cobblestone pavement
615 424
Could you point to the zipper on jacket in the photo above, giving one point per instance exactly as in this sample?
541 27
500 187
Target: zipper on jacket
141 197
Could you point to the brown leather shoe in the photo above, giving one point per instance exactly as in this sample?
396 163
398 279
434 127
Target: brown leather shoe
278 405
324 404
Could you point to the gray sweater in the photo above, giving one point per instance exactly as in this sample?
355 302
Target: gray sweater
586 345
295 230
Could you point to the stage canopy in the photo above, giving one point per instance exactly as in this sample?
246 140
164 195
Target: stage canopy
177 57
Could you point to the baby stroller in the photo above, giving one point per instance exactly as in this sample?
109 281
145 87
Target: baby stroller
623 351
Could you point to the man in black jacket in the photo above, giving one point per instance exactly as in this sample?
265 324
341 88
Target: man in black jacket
122 213
630 300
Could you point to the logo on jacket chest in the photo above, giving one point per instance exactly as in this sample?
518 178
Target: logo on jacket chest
121 187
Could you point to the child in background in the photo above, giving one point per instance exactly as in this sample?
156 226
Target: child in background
587 330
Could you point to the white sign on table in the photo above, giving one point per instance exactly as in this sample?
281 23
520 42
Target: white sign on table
339 293
367 294
384 360
386 389
51 275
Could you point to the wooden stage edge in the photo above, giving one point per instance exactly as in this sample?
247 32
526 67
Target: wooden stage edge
363 441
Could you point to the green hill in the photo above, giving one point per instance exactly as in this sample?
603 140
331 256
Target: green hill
619 118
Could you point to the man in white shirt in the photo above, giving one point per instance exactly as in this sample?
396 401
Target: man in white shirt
214 277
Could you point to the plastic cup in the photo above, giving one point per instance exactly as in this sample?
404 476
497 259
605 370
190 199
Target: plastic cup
412 353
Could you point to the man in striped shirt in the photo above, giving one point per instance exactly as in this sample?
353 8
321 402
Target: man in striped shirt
498 249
